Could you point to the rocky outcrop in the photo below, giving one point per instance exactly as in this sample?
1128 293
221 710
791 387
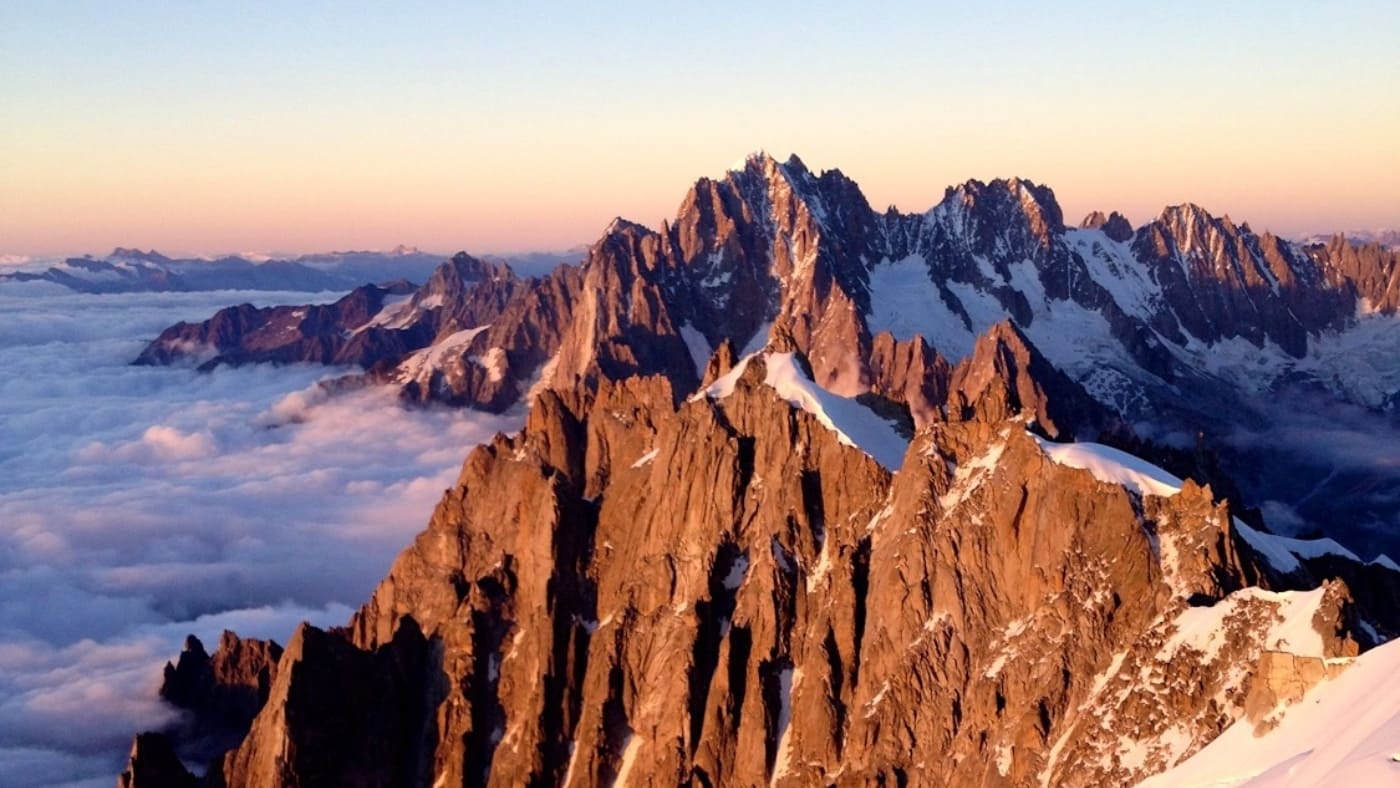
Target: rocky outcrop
221 693
911 373
153 764
1006 376
1282 679
338 715
1115 225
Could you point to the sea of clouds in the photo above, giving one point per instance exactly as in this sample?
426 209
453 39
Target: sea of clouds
142 504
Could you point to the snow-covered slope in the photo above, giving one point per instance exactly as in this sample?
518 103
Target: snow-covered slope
449 350
854 424
1345 733
1112 466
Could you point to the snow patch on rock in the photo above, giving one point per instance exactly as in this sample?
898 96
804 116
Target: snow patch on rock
698 346
1111 466
422 363
854 424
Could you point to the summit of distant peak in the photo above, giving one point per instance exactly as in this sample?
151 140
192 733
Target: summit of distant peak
794 163
1115 225
1190 225
1187 213
124 253
992 204
759 158
621 225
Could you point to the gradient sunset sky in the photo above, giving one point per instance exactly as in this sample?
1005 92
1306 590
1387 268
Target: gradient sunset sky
492 127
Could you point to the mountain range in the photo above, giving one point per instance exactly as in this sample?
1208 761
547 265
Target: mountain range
134 270
813 493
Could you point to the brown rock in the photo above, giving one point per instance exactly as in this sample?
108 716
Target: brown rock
338 715
912 373
1282 679
1007 377
222 693
153 764
723 593
1115 225
721 361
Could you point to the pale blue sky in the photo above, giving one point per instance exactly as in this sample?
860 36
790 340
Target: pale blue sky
493 126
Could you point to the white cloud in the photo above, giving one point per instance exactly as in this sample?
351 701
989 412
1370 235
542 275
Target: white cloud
138 504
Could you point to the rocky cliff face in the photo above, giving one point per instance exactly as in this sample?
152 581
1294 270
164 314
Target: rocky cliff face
725 591
1006 376
154 764
1370 270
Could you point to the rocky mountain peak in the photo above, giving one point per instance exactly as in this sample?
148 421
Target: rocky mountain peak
1006 217
153 763
620 227
1094 220
1192 230
766 164
463 269
152 256
1371 268
1216 245
221 692
778 190
1222 280
1007 377
1115 225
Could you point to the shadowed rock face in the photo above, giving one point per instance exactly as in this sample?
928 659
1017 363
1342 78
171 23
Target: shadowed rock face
153 764
338 715
222 693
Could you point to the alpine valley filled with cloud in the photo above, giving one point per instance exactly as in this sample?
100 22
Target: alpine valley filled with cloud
143 504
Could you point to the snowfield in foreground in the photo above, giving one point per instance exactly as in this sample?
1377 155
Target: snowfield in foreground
1345 733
